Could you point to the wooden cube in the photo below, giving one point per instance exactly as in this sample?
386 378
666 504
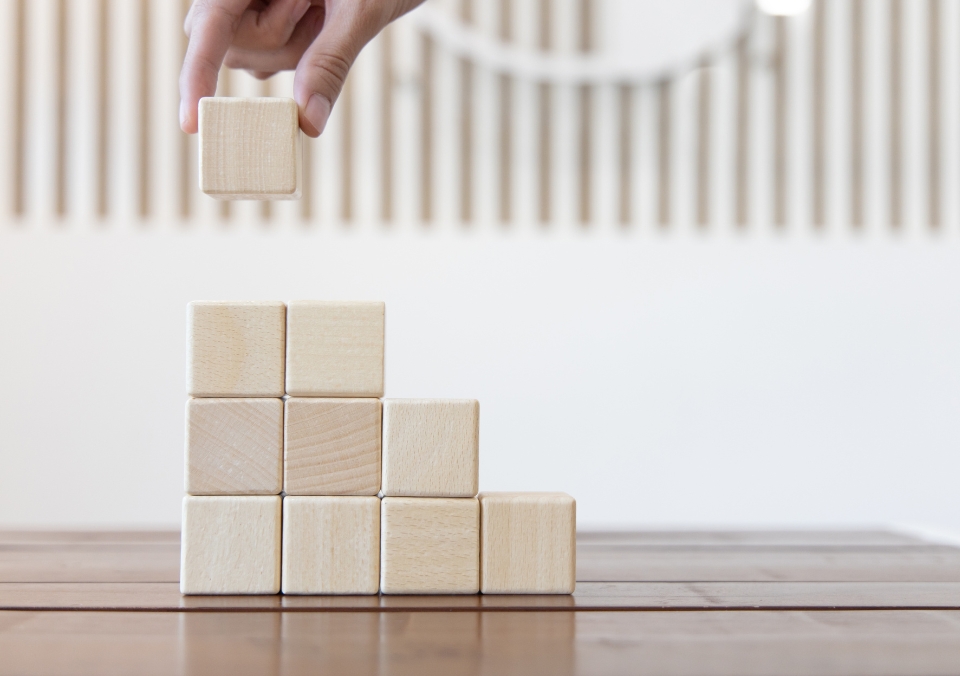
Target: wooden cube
334 349
250 149
331 447
235 349
234 447
230 545
429 546
431 447
528 543
331 545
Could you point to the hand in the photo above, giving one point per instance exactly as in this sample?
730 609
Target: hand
318 38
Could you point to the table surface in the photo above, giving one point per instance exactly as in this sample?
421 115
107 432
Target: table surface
657 602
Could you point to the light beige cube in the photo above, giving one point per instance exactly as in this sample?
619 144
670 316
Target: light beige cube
250 149
332 446
335 349
431 447
528 543
234 447
331 545
235 349
429 545
230 545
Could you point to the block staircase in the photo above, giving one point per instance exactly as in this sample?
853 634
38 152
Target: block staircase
301 479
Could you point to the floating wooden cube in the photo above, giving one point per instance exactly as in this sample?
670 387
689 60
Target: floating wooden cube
331 545
331 446
431 447
235 349
234 447
250 149
230 545
429 546
334 349
527 543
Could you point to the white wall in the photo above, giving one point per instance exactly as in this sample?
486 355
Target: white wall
660 379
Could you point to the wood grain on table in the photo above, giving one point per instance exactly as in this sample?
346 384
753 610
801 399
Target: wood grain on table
832 602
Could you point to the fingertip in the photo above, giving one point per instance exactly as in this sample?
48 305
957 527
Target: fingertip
314 116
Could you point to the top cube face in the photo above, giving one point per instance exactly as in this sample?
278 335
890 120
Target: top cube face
334 349
235 349
250 148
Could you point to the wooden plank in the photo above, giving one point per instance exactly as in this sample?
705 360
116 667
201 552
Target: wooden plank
774 538
62 537
916 642
634 564
592 596
158 562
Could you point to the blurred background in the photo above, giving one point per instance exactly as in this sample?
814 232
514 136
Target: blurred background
699 260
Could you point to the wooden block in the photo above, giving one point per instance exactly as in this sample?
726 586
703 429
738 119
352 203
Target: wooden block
331 447
429 545
528 543
331 545
334 349
230 545
234 447
235 349
250 149
431 447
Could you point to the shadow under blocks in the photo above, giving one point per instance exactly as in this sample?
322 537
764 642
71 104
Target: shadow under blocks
300 478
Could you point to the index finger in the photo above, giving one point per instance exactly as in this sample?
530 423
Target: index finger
213 23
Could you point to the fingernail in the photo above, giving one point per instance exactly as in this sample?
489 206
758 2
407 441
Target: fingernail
317 112
183 113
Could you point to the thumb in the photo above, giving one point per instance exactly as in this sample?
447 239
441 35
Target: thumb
323 68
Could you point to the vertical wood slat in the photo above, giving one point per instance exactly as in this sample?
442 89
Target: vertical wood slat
574 156
934 49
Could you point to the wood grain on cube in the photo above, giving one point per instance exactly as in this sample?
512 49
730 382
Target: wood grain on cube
250 148
234 447
331 545
230 545
527 543
331 446
429 545
235 349
431 447
335 349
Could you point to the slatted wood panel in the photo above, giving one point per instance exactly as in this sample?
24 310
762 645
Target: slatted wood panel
839 118
759 625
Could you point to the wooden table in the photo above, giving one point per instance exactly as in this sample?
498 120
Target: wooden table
646 602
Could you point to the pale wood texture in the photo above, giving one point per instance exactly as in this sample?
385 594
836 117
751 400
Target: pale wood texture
430 546
234 447
527 543
235 349
331 446
250 149
331 545
335 349
431 447
230 545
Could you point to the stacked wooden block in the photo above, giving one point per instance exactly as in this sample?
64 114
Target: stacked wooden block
300 478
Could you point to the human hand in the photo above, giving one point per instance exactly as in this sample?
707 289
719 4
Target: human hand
318 38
